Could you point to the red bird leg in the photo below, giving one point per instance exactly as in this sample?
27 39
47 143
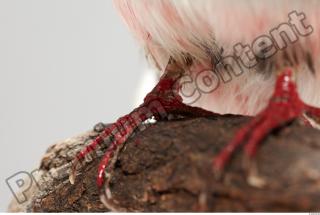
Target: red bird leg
224 156
80 156
123 129
116 133
284 107
163 100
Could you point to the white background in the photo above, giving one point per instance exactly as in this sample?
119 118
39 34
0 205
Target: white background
64 66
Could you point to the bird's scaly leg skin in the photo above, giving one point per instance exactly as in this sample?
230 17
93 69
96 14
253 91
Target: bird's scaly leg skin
163 100
284 107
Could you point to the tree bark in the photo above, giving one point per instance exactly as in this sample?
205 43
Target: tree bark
167 167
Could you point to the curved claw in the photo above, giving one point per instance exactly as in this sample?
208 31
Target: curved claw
160 102
73 171
103 165
81 155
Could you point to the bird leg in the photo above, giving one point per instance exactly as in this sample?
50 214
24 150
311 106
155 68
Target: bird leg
284 107
162 101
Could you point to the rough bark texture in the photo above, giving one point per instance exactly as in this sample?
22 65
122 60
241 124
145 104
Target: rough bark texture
167 167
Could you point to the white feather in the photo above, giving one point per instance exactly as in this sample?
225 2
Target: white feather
177 27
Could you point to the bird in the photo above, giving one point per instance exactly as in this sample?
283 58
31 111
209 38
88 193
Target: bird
247 57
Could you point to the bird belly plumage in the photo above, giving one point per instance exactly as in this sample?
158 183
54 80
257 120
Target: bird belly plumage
207 31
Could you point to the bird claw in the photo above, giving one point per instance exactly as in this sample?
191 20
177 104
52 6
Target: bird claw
161 103
285 106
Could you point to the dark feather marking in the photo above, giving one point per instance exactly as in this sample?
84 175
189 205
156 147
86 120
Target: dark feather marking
310 63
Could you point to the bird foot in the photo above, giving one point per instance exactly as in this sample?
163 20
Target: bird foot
284 107
163 101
